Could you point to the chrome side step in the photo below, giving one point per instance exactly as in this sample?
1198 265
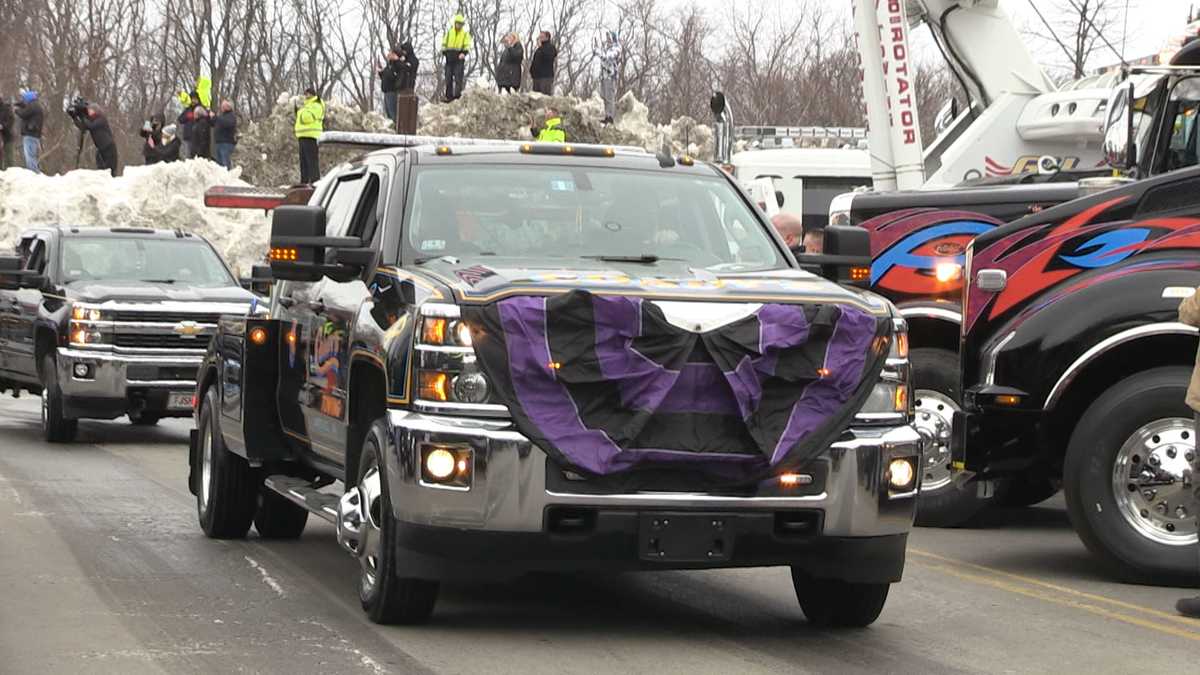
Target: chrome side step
303 494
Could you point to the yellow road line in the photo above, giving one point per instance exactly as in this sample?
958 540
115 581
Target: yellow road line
1067 602
1061 589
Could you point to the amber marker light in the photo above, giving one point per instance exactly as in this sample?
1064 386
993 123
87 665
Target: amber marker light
284 254
433 331
435 386
860 273
258 335
794 479
1008 400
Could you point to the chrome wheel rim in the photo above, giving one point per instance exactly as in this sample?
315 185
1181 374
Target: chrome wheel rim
46 408
371 543
934 415
206 457
1154 481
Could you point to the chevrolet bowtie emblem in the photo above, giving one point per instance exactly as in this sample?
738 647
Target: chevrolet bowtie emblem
188 329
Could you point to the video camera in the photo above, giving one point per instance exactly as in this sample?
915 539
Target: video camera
77 107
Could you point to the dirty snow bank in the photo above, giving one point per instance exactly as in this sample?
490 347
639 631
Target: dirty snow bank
162 196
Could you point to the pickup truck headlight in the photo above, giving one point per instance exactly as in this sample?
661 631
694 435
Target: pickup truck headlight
447 370
889 402
89 325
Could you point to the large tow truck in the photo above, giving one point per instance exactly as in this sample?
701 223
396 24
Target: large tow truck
1074 361
490 358
1030 146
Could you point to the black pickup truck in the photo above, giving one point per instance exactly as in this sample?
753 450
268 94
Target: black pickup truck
485 359
105 322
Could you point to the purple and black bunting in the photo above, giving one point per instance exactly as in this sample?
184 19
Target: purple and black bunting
605 384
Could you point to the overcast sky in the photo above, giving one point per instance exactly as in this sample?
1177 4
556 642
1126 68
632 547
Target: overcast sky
1151 23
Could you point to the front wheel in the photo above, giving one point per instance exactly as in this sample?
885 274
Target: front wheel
838 604
277 517
56 428
387 596
935 400
227 495
1129 478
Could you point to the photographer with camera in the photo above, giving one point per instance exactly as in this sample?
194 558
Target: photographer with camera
89 117
32 116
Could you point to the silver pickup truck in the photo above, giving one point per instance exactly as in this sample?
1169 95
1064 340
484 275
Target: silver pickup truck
105 322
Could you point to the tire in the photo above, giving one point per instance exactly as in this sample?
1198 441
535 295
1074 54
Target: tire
387 596
1027 490
936 396
56 428
838 604
143 419
227 490
278 518
1122 461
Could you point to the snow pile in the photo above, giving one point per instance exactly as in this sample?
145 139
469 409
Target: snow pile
267 151
482 113
160 196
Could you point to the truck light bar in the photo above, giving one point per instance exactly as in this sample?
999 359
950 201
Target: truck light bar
373 140
245 197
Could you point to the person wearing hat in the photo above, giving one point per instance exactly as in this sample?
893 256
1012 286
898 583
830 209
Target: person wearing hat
31 114
310 121
456 44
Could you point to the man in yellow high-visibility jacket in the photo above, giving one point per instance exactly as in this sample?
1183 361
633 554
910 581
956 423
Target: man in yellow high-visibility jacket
552 130
310 121
456 44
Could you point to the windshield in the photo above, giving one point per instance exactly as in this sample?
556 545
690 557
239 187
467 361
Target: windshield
555 212
189 262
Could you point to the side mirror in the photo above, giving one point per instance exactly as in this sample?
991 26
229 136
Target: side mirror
1120 148
846 258
11 267
299 246
259 281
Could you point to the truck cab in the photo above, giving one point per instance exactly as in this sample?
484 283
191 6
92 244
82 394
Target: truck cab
106 322
488 358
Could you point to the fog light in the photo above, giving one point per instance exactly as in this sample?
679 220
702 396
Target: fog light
794 479
901 474
440 463
446 466
83 370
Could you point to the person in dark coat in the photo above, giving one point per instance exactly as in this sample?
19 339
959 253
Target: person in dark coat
201 145
157 144
225 134
184 124
508 71
95 123
407 69
32 116
7 121
389 83
541 66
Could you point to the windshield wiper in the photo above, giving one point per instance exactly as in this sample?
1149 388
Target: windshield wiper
644 259
158 281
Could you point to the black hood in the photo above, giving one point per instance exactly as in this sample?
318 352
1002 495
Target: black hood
101 291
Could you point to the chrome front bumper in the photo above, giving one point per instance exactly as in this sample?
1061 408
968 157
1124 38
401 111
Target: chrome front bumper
110 373
509 492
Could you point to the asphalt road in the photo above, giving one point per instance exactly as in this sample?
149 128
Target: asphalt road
103 569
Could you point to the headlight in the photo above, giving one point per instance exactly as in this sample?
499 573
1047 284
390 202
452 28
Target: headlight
889 401
447 370
86 313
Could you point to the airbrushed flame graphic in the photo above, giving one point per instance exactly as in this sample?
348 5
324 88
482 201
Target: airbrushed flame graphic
907 246
1037 259
994 168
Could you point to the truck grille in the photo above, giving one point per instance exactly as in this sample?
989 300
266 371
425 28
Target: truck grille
135 316
160 341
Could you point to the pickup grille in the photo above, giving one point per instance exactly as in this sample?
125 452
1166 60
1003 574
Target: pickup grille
160 341
132 316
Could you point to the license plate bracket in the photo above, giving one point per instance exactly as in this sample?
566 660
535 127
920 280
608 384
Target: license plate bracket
179 400
685 537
